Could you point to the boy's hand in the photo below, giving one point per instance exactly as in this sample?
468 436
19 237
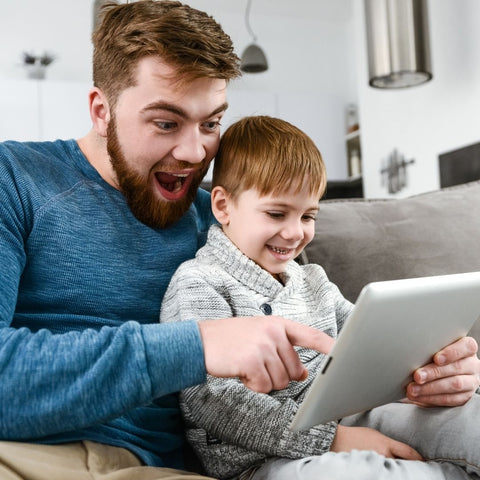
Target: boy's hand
363 438
451 379
259 350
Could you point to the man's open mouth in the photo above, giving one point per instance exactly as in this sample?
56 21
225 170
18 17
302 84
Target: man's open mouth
173 186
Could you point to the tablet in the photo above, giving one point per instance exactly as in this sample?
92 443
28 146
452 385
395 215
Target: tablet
395 327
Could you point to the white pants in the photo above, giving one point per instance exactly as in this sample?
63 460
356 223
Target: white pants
448 438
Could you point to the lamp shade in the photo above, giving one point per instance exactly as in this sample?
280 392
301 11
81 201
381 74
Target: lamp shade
397 43
253 60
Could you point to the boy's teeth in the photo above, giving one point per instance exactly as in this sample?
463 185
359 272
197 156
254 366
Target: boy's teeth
279 250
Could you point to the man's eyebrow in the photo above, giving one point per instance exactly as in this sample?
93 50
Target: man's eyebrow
220 109
175 109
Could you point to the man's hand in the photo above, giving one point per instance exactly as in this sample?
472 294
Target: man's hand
451 379
363 438
259 350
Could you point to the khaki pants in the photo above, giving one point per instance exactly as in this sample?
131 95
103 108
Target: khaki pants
78 461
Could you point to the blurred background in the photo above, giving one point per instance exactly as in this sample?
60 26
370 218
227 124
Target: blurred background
375 142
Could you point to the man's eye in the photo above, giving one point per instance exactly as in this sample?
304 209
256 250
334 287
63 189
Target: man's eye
212 126
166 125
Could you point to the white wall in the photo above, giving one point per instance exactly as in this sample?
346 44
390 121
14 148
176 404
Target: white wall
309 45
43 110
424 121
59 26
310 49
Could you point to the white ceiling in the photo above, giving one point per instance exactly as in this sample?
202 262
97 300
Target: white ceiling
326 10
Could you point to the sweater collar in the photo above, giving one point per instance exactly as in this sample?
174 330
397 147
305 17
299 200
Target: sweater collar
222 251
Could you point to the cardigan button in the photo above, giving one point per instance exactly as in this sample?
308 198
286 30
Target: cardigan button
266 308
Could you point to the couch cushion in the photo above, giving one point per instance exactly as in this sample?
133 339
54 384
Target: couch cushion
358 241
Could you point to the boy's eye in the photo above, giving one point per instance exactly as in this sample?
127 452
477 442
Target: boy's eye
309 218
276 214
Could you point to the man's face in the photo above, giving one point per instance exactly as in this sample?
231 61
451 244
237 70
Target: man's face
161 139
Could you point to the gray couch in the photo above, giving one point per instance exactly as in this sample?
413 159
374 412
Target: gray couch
358 241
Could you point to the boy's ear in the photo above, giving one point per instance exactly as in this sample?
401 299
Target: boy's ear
220 202
99 111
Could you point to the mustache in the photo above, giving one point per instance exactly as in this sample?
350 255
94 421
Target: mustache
182 165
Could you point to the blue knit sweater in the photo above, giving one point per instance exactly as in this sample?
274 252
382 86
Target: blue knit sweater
82 355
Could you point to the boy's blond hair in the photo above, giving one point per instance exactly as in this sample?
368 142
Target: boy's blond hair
269 155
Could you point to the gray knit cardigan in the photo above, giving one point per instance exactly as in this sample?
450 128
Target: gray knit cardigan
230 427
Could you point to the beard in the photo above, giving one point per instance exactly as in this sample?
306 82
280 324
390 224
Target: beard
139 194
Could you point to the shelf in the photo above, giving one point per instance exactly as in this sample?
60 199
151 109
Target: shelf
353 135
351 187
354 154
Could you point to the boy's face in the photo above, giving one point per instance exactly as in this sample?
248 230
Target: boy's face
273 229
161 139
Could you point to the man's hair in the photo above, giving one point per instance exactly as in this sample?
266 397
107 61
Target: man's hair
269 155
186 38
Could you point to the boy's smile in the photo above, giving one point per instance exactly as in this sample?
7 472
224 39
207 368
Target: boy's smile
281 253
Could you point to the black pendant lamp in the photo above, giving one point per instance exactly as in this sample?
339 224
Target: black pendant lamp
253 59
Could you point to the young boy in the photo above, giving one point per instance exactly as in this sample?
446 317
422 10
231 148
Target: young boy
267 182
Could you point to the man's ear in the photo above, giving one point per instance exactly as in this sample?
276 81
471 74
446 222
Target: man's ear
220 203
99 111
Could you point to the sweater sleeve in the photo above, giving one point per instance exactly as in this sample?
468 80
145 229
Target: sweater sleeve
232 413
225 408
59 383
53 383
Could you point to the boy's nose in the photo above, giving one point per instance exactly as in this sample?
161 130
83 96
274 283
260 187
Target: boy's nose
293 230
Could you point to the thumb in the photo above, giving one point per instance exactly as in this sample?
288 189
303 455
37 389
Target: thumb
308 337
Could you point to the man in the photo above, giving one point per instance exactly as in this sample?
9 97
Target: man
90 234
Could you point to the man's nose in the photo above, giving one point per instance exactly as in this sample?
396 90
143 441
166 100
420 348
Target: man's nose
190 147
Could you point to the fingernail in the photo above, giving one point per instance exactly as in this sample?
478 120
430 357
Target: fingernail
422 375
415 390
441 359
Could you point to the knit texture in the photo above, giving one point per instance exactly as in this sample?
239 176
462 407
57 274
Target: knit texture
231 427
82 354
